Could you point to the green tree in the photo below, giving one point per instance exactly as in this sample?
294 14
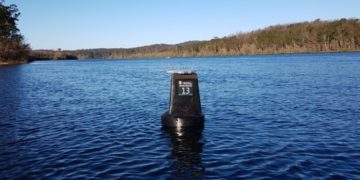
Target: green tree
12 47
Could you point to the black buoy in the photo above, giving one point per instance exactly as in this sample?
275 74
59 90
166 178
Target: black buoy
185 107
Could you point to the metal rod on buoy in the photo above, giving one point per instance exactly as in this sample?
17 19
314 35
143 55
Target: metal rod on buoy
185 107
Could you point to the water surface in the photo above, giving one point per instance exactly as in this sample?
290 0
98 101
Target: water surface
273 116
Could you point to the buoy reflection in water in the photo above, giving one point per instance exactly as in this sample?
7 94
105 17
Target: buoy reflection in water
187 146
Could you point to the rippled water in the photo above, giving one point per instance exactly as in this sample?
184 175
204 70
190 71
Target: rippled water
276 116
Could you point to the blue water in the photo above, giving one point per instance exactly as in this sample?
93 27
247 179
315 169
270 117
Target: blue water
272 116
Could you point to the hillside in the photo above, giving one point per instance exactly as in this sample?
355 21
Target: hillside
315 36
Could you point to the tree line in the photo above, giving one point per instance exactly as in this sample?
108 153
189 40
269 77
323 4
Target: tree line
13 49
315 36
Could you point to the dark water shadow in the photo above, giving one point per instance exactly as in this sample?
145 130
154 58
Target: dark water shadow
186 151
11 95
10 88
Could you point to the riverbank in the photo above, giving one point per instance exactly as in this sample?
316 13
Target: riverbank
162 57
297 38
305 37
12 63
270 54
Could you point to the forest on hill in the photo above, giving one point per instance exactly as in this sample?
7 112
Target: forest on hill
316 36
304 37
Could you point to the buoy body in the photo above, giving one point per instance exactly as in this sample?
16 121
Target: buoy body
184 107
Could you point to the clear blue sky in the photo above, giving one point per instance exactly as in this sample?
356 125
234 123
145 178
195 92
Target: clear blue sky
78 24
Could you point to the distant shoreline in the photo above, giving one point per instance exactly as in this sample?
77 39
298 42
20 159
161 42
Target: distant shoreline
136 58
298 38
11 63
305 37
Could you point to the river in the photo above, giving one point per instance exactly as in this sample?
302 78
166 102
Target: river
266 116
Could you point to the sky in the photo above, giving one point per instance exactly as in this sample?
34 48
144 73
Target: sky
84 24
